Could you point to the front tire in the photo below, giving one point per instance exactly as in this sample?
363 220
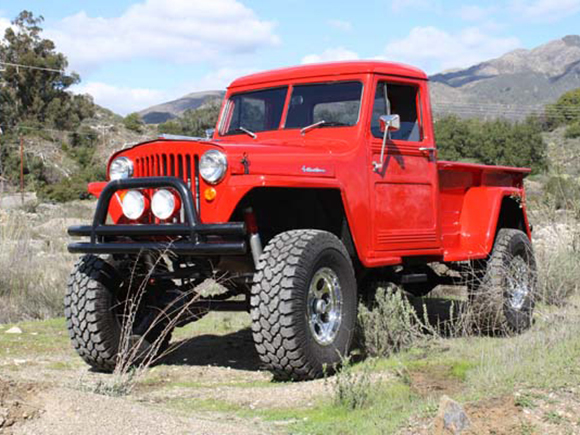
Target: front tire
303 304
503 299
94 310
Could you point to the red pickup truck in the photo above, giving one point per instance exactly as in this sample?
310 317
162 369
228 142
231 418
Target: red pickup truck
318 182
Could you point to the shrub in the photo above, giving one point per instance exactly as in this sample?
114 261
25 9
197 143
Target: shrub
559 270
133 122
75 187
390 325
562 192
573 131
352 388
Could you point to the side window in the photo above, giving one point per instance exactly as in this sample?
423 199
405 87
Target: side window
401 100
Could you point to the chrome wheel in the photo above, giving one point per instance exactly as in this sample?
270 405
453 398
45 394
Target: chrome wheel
324 306
519 282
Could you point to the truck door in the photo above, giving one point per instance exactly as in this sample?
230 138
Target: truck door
404 184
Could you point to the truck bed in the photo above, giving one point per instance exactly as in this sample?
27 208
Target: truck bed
471 198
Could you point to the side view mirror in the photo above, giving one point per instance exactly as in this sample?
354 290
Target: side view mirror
386 123
209 133
389 122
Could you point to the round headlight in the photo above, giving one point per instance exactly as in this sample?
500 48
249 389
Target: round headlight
121 167
133 204
212 166
163 204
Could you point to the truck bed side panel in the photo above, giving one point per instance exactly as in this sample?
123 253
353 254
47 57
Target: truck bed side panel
471 201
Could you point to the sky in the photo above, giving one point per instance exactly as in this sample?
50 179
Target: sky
132 54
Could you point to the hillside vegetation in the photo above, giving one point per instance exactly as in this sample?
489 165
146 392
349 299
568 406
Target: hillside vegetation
66 136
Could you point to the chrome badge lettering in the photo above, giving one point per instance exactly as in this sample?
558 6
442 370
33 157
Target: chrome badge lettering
308 170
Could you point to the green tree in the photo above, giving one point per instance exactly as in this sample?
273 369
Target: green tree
566 110
38 94
193 122
497 142
133 122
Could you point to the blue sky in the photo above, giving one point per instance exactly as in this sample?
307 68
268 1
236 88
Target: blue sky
135 53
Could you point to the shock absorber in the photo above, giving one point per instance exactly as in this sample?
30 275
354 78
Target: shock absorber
255 241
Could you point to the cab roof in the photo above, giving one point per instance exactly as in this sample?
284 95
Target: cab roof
329 69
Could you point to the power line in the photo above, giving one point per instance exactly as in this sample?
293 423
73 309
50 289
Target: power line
18 65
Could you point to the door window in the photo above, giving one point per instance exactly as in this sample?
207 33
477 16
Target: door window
401 100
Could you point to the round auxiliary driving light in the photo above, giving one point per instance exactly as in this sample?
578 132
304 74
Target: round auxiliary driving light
163 204
133 204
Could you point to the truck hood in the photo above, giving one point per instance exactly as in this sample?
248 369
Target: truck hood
314 159
279 159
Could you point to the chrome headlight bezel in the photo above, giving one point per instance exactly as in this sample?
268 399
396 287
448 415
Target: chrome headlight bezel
213 166
121 168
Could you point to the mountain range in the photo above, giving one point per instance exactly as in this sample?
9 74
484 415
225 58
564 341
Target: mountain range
514 85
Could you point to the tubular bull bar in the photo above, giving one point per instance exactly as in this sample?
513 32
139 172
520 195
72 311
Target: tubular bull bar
191 237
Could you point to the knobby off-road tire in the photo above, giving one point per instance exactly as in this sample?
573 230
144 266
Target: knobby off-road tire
503 300
93 314
303 304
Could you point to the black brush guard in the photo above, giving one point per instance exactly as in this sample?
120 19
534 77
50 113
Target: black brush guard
191 237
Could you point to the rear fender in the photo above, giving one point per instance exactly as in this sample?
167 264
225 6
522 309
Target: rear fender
486 210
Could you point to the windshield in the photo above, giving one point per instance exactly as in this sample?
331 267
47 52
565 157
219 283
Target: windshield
256 111
337 104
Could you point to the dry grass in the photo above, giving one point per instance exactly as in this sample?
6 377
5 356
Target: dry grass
390 325
32 273
136 355
34 263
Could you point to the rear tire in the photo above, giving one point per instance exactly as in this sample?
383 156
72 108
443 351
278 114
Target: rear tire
503 299
94 317
303 304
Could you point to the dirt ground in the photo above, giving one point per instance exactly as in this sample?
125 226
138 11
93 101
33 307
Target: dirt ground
213 384
201 388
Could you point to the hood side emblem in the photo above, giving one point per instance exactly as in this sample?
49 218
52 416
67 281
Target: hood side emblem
308 170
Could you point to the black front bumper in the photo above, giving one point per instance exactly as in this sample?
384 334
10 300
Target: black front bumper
189 238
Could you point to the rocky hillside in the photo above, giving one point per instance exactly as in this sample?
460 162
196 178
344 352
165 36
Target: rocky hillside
514 85
172 109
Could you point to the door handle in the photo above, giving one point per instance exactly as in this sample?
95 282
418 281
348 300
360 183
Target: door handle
431 150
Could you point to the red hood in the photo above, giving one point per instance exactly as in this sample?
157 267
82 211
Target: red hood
263 158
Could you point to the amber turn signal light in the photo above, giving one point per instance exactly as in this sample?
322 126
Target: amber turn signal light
210 194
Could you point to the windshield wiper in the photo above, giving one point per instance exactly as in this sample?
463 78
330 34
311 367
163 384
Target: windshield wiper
248 132
322 123
312 127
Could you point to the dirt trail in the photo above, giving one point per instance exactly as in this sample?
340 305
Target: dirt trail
65 411
211 384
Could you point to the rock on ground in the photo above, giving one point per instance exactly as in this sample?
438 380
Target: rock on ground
451 418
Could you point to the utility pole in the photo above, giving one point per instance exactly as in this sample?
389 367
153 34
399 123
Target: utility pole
21 169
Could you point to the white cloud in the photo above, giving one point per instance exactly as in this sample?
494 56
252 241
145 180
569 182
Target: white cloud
4 24
345 26
183 31
546 10
433 49
122 100
216 80
330 55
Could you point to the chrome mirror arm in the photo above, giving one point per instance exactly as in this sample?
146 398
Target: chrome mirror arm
378 166
387 123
